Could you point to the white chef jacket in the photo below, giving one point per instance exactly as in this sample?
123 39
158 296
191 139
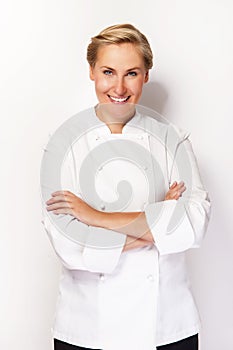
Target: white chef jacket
139 299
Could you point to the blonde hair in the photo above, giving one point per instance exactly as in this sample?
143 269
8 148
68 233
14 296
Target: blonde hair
119 34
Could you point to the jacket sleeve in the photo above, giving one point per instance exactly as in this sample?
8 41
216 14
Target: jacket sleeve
93 249
79 246
178 225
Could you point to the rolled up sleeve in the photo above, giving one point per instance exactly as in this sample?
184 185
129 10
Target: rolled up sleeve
178 225
92 249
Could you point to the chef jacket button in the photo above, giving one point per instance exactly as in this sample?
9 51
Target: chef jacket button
140 137
102 207
100 168
97 138
150 278
145 167
102 277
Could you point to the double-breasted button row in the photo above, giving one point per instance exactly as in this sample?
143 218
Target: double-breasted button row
150 277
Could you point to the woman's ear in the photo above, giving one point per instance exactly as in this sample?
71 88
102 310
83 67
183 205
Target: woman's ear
146 77
91 74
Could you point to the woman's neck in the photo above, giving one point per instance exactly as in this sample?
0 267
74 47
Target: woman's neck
115 116
115 128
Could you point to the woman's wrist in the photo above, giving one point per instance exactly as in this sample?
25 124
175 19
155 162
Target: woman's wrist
130 223
98 219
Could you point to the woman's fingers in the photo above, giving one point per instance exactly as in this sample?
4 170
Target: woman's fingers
62 193
175 191
180 184
64 202
58 198
58 205
62 211
180 189
173 185
60 202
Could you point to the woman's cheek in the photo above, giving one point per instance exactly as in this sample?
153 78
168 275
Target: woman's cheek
105 84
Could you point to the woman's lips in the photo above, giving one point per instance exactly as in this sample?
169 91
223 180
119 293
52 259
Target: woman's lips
118 99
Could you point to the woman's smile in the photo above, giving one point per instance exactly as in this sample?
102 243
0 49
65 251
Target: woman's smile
118 100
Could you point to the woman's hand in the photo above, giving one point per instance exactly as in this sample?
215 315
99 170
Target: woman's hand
65 202
175 191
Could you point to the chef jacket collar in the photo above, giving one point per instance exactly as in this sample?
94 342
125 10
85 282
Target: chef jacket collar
127 128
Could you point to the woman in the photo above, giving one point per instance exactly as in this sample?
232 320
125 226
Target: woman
124 282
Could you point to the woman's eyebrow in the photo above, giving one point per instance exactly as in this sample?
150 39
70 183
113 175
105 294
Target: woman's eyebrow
127 70
134 68
106 67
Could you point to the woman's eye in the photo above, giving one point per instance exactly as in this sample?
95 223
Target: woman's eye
107 72
132 74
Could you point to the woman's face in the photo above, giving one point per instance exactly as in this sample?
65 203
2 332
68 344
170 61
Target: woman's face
119 74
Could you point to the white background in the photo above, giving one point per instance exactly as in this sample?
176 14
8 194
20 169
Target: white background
44 80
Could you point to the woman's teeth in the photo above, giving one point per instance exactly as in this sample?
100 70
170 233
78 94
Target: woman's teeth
115 99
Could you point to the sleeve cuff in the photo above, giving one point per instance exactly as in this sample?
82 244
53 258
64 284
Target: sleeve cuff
103 249
170 226
69 252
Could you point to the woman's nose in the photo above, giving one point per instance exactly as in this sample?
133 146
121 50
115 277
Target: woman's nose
120 88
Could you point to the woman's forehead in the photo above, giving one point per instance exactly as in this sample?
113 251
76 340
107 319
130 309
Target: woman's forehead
126 54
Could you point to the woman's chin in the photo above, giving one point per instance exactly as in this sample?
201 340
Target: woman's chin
113 111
